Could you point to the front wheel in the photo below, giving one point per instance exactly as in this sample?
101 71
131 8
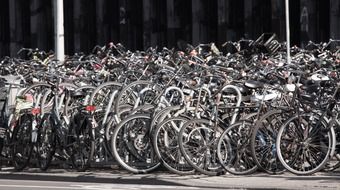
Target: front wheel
165 142
263 141
198 144
132 144
304 144
234 152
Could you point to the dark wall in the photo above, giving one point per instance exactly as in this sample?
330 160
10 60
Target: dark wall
294 20
4 28
139 24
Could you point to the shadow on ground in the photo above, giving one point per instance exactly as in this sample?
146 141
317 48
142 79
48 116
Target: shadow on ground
161 178
88 178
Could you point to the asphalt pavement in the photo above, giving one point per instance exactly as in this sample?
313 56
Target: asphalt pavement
106 179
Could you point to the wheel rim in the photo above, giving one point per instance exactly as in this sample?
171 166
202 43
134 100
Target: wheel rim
304 144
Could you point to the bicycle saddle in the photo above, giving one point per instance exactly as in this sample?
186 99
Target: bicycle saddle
253 84
244 90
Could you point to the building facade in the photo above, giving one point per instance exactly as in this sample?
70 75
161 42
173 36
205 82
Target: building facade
139 24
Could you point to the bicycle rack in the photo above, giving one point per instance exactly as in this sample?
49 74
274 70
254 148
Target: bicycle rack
239 99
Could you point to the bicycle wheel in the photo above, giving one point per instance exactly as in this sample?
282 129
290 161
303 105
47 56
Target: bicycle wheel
3 134
80 143
111 125
7 126
163 114
129 94
35 89
101 97
132 146
46 142
102 152
165 142
304 144
334 162
234 150
22 143
2 140
263 141
198 144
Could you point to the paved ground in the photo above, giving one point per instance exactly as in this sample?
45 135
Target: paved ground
58 179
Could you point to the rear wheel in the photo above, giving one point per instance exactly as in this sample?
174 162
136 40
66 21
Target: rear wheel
46 143
22 142
304 144
165 141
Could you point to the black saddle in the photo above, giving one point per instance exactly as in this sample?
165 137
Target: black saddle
253 84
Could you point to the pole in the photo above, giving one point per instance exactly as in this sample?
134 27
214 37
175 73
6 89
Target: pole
288 32
59 30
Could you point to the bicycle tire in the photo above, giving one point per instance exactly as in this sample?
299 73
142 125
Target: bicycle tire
202 140
165 142
233 149
80 143
137 152
35 85
21 142
263 141
111 125
46 142
289 140
120 101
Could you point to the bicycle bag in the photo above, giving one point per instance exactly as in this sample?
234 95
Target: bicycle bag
12 93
